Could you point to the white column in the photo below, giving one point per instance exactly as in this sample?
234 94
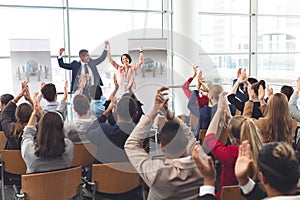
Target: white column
185 48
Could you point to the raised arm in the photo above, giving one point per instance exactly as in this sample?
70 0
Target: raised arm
60 60
141 59
139 158
192 104
62 107
116 65
186 86
102 57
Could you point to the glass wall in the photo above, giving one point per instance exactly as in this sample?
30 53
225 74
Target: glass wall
260 35
73 25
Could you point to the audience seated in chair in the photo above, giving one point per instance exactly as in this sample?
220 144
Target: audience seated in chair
4 100
48 98
277 123
278 173
252 90
76 131
176 177
48 149
110 140
13 130
206 113
241 128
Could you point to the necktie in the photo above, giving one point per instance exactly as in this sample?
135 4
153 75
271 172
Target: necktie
86 71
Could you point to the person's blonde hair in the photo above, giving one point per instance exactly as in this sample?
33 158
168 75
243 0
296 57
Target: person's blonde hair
281 124
214 91
243 128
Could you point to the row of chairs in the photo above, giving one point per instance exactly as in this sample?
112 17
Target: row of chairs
112 178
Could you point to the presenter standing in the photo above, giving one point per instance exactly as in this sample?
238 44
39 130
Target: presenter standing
86 66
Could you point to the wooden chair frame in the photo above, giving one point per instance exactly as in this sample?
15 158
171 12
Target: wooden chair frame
114 178
12 162
84 154
231 192
60 184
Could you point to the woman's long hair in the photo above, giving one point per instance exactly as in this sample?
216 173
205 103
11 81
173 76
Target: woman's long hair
243 128
50 139
23 113
281 123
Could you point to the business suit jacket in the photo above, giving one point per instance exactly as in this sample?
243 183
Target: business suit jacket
169 178
75 66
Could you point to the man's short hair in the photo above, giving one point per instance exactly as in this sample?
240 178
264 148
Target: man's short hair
127 108
49 92
95 92
82 52
173 139
81 104
5 98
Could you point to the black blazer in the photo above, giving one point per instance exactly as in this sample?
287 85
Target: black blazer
75 66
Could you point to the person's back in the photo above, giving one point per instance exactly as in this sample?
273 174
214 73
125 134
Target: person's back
176 177
110 140
76 131
50 150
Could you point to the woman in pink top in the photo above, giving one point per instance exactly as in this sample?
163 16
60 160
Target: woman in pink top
127 71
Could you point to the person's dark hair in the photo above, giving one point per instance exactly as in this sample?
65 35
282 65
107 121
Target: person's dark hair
130 94
49 92
252 80
127 56
83 51
81 104
95 92
278 163
5 98
127 108
287 90
50 138
23 113
255 86
173 139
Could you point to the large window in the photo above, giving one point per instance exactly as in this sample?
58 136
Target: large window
261 35
73 24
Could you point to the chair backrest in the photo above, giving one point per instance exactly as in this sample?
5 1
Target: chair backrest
3 140
201 135
84 154
115 178
13 162
231 192
61 184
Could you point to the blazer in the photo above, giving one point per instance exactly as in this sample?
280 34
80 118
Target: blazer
169 178
75 66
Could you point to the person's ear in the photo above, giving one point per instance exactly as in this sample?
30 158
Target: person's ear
262 178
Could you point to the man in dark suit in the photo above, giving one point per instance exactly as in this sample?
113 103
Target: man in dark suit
86 65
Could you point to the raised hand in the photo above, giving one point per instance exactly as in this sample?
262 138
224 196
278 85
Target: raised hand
206 167
195 71
159 102
243 163
269 91
261 93
60 52
116 82
66 86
